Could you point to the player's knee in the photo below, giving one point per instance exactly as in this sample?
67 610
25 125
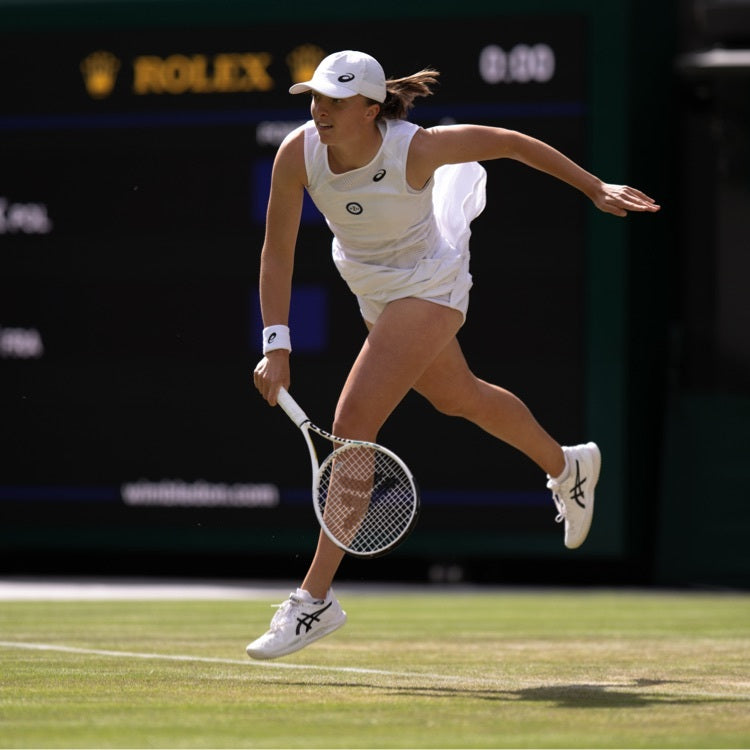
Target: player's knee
462 399
355 421
448 404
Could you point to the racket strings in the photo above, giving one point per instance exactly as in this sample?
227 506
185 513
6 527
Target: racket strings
366 498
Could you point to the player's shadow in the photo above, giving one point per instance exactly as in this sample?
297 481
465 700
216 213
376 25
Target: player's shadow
603 696
640 693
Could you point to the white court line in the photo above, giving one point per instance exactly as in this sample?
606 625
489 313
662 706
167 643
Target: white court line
216 660
479 683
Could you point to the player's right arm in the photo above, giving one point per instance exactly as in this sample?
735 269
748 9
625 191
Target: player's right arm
288 181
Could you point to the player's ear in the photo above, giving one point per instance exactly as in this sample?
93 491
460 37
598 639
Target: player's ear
372 111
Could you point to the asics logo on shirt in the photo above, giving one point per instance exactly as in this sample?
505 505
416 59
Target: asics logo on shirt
378 176
354 208
306 619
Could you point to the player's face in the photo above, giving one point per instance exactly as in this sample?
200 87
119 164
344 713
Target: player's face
339 119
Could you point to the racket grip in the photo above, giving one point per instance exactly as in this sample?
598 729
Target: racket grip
292 408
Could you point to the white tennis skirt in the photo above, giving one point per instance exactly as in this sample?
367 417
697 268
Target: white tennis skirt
458 197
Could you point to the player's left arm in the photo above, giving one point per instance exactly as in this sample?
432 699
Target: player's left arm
455 144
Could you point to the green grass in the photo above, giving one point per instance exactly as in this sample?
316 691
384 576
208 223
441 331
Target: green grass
464 669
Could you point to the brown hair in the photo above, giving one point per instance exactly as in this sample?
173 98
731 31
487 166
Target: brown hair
401 93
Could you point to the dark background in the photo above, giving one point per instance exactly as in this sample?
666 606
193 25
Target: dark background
129 242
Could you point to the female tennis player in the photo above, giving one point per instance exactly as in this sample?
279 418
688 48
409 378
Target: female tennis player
399 200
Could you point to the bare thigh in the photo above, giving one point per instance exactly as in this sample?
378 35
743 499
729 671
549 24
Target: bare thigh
403 343
448 383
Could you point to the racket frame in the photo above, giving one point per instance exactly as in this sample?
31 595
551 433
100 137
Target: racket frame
295 412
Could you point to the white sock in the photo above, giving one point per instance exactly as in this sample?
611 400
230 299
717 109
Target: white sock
307 596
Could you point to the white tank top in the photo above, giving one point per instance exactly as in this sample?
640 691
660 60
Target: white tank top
375 216
390 240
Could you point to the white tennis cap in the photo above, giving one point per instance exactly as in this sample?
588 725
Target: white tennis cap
344 74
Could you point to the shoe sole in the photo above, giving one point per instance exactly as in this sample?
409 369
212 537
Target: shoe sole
297 645
596 470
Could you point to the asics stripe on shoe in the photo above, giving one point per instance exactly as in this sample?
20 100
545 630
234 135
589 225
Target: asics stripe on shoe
574 496
298 622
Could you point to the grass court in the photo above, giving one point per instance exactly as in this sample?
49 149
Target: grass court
413 668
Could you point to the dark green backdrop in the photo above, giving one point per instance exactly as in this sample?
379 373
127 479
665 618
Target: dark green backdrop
158 205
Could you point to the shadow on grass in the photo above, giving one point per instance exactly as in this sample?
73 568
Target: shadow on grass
605 696
639 694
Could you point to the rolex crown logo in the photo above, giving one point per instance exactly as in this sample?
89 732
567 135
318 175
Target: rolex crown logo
303 60
99 71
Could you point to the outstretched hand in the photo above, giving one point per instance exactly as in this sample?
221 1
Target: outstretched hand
620 199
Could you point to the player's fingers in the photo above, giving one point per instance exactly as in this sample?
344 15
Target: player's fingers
616 210
639 200
273 394
618 200
266 387
612 205
634 192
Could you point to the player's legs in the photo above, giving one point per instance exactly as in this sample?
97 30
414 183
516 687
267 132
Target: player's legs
453 389
408 335
572 471
413 345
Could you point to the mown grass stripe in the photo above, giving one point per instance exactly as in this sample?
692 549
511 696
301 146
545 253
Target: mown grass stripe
218 660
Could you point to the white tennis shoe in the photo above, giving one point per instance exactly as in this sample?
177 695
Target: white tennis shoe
574 496
299 621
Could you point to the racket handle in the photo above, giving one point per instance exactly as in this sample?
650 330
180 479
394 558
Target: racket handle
292 408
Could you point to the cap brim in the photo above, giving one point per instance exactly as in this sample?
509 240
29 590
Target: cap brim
323 87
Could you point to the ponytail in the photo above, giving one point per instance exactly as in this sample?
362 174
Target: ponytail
401 93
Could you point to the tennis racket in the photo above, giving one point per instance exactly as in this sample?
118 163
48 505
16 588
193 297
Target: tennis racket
364 495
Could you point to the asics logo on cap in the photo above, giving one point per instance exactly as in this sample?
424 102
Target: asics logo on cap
346 78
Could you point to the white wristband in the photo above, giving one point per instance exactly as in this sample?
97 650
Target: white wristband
276 337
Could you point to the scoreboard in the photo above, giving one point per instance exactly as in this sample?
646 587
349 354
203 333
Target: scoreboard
135 172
